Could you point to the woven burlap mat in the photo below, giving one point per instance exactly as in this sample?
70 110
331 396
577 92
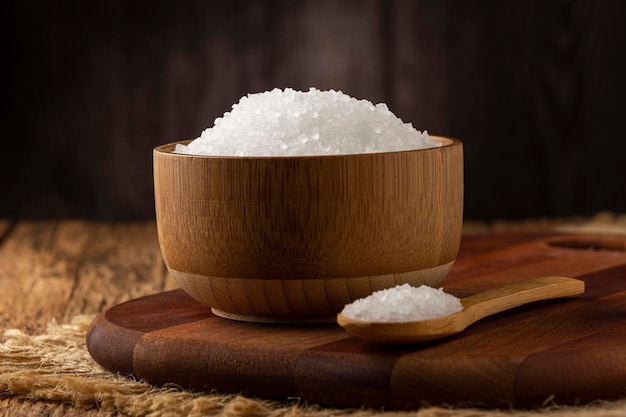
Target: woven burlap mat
55 366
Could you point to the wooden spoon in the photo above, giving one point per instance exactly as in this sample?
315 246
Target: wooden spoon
475 308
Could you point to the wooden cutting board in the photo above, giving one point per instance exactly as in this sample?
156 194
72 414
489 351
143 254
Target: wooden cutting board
566 351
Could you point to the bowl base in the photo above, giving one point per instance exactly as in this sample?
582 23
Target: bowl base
272 320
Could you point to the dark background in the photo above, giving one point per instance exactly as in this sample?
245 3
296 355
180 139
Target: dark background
535 89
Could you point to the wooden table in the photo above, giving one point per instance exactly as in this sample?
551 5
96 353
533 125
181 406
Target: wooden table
59 269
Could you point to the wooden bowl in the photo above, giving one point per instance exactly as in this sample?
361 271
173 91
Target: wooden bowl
295 238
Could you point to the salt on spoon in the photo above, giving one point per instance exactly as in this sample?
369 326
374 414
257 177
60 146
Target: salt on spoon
450 318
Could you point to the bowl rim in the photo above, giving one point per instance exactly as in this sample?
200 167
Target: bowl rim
168 149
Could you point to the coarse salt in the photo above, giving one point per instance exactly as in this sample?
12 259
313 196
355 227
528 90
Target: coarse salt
289 123
403 303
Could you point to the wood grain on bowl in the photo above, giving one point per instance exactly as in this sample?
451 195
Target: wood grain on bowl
303 236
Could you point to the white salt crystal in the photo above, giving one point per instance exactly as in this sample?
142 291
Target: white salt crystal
309 123
403 303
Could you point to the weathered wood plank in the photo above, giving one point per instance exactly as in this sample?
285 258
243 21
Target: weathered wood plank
52 269
123 261
35 277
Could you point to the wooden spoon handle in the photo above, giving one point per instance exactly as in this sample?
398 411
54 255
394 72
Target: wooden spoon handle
519 293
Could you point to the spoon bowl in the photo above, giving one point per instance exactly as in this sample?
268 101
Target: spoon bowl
475 307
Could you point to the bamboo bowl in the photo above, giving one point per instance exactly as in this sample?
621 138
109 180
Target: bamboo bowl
295 238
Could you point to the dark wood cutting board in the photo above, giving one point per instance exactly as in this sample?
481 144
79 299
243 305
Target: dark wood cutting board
567 350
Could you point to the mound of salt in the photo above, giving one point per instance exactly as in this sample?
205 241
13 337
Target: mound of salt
289 123
403 303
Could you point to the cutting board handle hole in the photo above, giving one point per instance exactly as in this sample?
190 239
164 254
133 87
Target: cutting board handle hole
584 243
